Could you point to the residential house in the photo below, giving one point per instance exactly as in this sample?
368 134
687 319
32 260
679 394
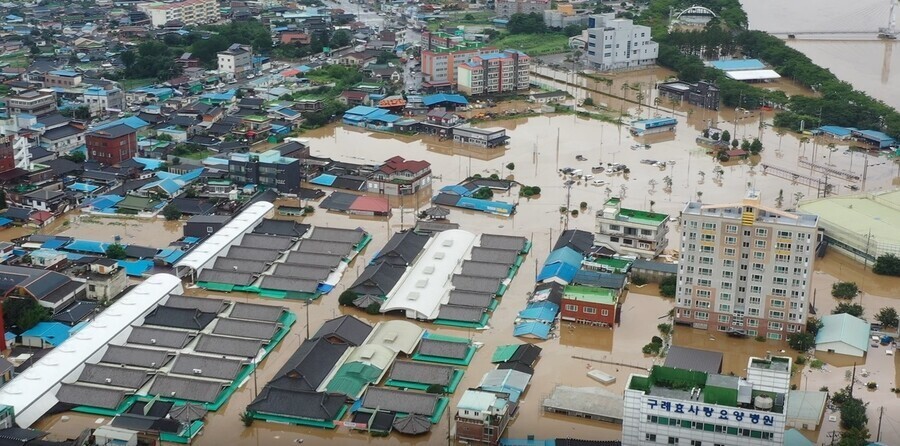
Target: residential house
33 102
590 305
62 79
702 93
105 279
202 226
493 137
359 58
482 417
398 176
51 289
54 201
64 138
268 169
352 98
294 37
631 232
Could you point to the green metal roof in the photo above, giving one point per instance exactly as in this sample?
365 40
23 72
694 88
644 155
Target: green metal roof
590 294
650 218
503 353
352 378
844 328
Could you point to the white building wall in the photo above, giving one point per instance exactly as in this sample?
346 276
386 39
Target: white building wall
615 44
841 348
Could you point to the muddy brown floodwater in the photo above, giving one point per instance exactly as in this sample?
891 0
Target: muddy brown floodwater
540 146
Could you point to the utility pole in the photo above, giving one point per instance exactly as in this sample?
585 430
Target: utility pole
834 435
880 416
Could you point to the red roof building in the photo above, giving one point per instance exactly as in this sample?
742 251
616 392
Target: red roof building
398 176
112 145
366 205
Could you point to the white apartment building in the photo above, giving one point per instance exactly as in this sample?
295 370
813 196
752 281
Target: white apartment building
506 8
190 12
236 61
745 268
684 407
631 232
618 44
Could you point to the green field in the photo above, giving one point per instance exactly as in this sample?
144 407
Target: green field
18 59
128 84
459 19
534 44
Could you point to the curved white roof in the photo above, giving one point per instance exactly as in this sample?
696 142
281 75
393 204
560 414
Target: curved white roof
230 234
33 392
422 290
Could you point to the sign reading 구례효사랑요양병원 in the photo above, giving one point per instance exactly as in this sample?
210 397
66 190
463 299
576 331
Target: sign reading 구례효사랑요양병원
709 412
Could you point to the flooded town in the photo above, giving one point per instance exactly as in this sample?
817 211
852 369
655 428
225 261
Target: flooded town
427 222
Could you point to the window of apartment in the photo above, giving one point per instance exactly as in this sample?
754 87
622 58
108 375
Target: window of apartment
759 255
756 277
704 282
725 296
781 270
758 267
708 238
570 307
779 281
703 293
650 437
701 316
731 229
673 440
752 323
727 263
696 443
603 312
730 240
783 246
615 228
723 318
708 249
756 289
775 336
785 234
762 232
724 308
775 326
729 251
589 310
706 260
709 226
776 315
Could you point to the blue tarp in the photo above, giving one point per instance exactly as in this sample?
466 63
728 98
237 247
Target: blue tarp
323 180
191 240
532 329
738 65
4 221
87 246
541 311
136 268
53 333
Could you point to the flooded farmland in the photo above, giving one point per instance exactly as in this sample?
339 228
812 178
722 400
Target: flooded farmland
538 148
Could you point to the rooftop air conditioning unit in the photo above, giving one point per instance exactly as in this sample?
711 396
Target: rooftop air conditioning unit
197 371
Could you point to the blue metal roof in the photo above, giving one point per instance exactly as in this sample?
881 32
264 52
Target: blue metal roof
875 135
83 187
323 180
136 268
444 97
55 243
149 163
53 333
738 65
131 121
541 311
835 130
533 329
457 190
493 207
565 255
87 246
560 271
4 221
361 110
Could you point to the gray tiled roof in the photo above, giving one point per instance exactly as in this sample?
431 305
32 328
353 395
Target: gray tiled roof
694 359
484 269
139 357
469 299
494 255
223 345
271 242
443 349
208 366
476 284
79 395
420 372
286 228
256 312
463 314
325 247
309 258
206 304
309 405
400 401
240 265
402 248
248 253
226 277
186 388
114 376
159 337
186 318
351 236
506 242
303 272
289 284
348 328
245 329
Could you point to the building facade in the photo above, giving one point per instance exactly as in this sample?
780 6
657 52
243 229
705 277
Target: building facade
482 416
629 231
617 44
112 145
189 12
62 79
268 169
102 99
33 102
105 280
439 65
702 93
745 268
398 176
590 305
480 137
236 61
494 73
506 8
683 407
14 153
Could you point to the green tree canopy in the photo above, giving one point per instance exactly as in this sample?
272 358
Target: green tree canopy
23 313
532 23
801 341
115 251
844 290
887 265
171 212
887 316
849 308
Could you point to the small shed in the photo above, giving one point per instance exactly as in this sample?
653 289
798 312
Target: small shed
843 334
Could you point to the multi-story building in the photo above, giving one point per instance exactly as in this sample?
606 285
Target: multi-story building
62 79
398 176
439 65
629 231
617 44
33 102
268 169
493 73
236 61
483 416
506 8
189 12
563 17
105 280
103 99
590 305
14 153
702 93
745 268
112 145
686 407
